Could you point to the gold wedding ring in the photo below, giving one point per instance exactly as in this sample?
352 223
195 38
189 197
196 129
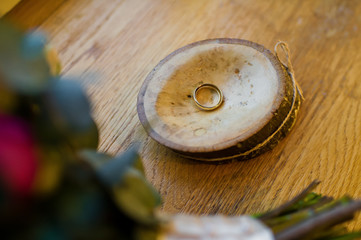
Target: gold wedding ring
208 97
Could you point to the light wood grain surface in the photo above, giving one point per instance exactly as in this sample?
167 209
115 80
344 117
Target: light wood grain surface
113 44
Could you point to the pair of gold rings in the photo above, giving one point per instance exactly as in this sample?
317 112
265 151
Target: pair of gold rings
208 96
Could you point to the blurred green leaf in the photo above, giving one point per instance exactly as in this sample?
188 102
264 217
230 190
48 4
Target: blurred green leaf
138 164
132 193
69 110
109 169
96 159
33 45
22 67
71 104
53 60
137 197
82 208
50 170
112 172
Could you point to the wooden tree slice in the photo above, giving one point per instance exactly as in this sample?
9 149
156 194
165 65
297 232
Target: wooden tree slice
259 107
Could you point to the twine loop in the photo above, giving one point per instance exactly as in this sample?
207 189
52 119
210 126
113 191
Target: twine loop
288 64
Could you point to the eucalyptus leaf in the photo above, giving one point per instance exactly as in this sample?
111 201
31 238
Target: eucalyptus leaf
33 45
138 164
137 198
132 193
94 158
69 110
22 67
112 172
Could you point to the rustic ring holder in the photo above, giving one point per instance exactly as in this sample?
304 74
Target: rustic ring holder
208 103
261 99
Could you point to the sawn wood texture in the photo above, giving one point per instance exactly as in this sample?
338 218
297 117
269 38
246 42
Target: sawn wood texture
112 45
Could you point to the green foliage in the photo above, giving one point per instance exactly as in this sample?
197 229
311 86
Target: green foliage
78 193
137 198
130 190
312 216
68 110
23 67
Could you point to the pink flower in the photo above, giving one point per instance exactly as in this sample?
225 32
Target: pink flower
18 159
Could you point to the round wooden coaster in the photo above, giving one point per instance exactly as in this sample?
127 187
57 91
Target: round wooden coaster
260 100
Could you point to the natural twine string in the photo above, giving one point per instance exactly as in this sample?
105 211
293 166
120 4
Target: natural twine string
288 66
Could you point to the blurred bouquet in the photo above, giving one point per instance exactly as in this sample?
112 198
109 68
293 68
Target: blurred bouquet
55 185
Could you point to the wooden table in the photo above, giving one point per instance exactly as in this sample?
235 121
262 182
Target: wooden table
112 45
